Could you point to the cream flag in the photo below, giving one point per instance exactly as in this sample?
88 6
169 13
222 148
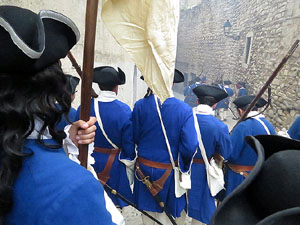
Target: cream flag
147 30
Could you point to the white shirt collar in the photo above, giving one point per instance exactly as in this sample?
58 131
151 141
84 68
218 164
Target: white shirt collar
204 110
37 127
253 114
106 96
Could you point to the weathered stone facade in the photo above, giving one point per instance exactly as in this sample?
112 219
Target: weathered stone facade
272 25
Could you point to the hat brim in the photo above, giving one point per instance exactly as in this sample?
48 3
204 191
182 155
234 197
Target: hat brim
285 217
241 207
212 91
61 34
178 77
32 44
274 143
107 76
245 100
236 209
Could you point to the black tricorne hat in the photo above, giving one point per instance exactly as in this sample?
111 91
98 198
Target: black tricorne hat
270 194
107 76
72 83
227 82
243 84
207 90
242 101
178 76
30 42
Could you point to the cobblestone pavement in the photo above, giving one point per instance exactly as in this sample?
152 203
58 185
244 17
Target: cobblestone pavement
133 217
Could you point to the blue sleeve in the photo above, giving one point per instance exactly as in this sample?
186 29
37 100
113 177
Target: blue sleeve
237 140
229 92
269 126
77 115
135 124
294 130
81 203
188 142
128 146
224 147
185 92
72 115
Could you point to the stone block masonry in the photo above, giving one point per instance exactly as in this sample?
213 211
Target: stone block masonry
272 26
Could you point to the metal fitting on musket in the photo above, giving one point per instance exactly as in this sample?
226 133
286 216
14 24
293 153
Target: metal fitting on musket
114 192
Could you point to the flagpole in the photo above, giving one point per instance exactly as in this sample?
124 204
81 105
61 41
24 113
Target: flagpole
87 70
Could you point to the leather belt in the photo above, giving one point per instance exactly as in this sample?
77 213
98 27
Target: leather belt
240 169
153 164
107 150
199 161
103 176
156 186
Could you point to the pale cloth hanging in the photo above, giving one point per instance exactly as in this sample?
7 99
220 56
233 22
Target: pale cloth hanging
147 30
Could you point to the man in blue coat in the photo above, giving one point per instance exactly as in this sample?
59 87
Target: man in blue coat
153 156
216 140
243 158
39 184
242 90
114 147
223 105
294 130
191 98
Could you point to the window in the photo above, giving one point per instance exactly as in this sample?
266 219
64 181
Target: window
247 51
248 44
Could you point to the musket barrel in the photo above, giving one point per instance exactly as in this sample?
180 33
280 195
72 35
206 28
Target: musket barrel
269 81
78 70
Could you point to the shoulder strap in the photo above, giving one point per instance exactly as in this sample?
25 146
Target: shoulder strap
164 132
96 108
263 124
201 146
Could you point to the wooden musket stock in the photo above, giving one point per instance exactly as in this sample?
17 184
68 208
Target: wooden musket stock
78 70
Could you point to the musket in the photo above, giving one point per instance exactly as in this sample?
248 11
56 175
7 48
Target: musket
78 70
87 71
148 184
268 82
114 192
234 116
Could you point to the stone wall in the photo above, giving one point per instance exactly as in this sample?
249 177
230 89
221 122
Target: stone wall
107 50
273 26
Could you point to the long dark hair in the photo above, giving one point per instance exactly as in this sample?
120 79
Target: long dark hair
24 98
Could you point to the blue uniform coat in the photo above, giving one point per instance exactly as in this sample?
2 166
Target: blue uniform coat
115 116
64 122
242 153
53 190
294 130
179 124
224 104
215 136
242 91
